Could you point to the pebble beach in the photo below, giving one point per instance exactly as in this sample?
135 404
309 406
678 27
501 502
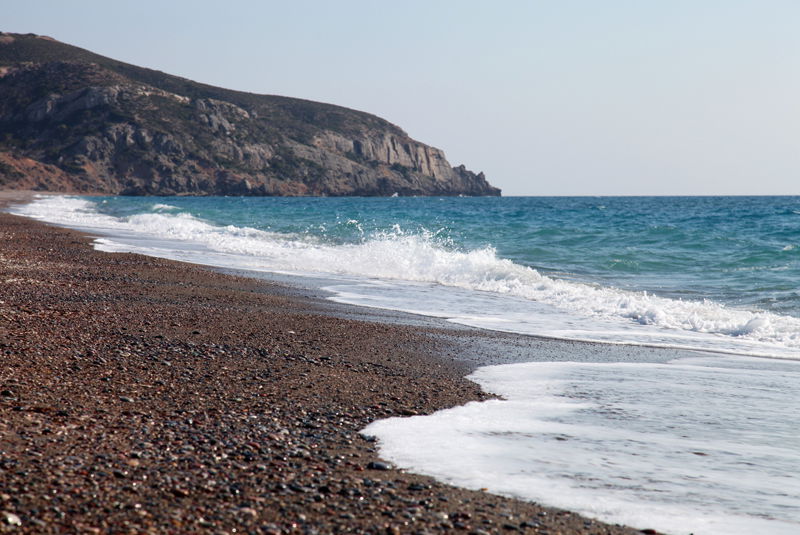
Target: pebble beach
140 395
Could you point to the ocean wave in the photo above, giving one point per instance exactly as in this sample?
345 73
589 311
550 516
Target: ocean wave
161 207
423 256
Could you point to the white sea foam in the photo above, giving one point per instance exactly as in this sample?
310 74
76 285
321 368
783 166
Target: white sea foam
592 311
700 445
161 207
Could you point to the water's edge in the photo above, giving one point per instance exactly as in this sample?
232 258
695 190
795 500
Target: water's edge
478 347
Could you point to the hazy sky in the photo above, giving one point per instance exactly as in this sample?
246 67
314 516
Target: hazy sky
559 97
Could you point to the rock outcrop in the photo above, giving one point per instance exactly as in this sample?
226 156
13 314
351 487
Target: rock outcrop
71 120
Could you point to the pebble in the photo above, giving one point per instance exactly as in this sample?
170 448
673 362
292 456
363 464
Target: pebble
11 519
248 511
180 492
379 465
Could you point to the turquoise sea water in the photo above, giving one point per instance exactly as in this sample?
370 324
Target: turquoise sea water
705 440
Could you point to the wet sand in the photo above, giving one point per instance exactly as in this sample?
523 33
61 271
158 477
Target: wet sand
140 395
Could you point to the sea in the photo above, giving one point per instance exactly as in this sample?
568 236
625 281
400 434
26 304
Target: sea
698 432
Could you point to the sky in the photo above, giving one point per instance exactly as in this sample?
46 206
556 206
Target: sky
560 97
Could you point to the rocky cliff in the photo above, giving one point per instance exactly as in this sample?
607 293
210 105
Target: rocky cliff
71 120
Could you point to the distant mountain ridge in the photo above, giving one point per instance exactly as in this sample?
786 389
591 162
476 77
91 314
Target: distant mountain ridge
75 121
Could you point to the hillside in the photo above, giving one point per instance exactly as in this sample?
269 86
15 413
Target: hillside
75 121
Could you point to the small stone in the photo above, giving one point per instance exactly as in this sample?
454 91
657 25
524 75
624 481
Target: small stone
179 492
248 511
7 394
379 465
11 519
126 399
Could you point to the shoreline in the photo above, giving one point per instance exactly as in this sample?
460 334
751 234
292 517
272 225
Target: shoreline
145 395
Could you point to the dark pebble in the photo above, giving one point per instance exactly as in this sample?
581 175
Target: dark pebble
379 465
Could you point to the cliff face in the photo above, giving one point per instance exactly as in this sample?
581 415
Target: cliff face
71 120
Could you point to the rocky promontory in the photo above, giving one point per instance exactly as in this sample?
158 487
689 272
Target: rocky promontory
75 121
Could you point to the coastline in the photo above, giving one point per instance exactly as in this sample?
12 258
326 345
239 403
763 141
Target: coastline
141 394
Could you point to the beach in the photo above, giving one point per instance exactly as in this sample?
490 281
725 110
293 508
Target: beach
311 284
145 395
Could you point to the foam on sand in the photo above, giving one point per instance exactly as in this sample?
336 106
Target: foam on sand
702 445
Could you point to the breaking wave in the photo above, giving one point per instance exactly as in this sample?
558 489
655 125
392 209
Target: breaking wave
418 256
